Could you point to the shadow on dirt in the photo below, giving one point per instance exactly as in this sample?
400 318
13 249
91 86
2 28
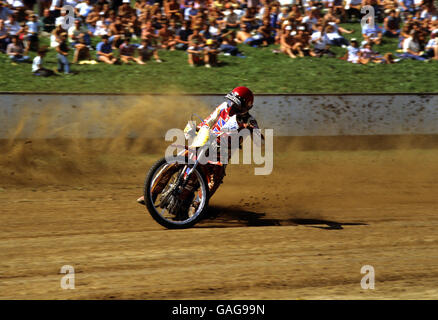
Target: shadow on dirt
223 217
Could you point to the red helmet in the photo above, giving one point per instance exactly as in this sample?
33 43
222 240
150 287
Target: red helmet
242 98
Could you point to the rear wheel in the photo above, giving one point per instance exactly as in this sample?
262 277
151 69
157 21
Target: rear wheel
168 203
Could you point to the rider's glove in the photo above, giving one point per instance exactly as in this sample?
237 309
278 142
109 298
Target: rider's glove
201 138
190 130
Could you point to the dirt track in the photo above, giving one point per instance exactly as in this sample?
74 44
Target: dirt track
303 232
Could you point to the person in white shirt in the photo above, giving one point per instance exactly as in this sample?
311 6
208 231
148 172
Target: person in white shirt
411 47
83 8
190 12
17 4
427 13
310 20
61 19
306 3
285 3
335 39
55 8
320 43
353 52
12 26
37 65
282 16
72 3
432 45
101 27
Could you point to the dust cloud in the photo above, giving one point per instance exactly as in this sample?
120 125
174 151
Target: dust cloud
57 151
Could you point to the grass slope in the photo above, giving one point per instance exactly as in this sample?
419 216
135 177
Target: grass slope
261 70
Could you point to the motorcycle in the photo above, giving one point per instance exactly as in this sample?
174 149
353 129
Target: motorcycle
177 191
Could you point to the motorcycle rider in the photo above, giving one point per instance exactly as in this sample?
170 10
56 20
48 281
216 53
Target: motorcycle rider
238 102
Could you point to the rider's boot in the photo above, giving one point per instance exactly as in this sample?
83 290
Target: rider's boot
162 183
141 200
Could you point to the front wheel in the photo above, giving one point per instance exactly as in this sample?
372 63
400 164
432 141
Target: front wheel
168 203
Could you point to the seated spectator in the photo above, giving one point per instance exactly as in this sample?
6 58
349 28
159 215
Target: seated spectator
432 46
140 6
404 34
5 12
37 64
83 9
210 53
172 10
125 9
320 43
339 9
62 54
232 19
205 31
116 32
372 34
311 19
214 29
47 22
331 14
353 52
407 7
104 51
56 35
302 39
12 26
244 36
55 8
92 18
167 40
82 52
4 36
390 4
229 45
146 51
61 19
182 36
101 26
427 12
249 19
194 52
127 51
190 12
15 51
19 8
288 43
391 24
173 26
266 31
196 36
335 39
352 8
411 48
77 31
367 55
338 28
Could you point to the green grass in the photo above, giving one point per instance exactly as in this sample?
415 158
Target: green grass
261 70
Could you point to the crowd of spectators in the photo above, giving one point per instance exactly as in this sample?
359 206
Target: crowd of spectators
134 32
